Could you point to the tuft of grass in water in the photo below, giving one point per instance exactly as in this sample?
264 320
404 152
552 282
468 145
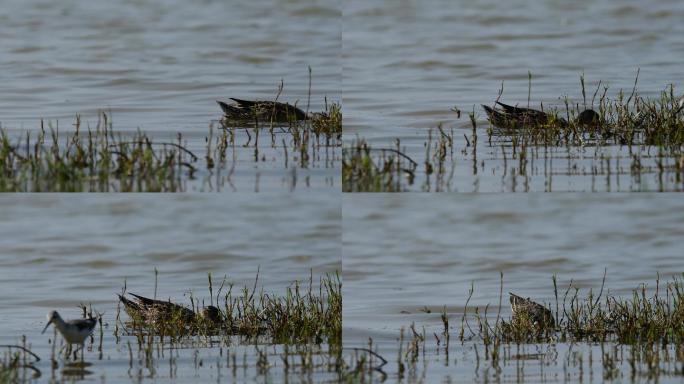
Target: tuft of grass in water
363 172
91 160
302 329
639 319
101 159
368 169
328 123
17 363
623 120
302 315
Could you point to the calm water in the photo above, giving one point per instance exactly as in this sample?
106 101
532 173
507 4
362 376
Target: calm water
406 65
161 65
405 255
58 251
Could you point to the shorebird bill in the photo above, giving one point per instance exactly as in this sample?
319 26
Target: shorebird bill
46 326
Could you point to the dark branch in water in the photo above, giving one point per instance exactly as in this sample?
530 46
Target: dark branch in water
10 346
182 148
395 152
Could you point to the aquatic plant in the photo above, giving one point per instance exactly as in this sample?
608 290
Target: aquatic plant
96 159
101 159
369 169
17 363
311 316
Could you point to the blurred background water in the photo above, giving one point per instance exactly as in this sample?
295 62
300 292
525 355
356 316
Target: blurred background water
405 257
407 63
161 65
57 251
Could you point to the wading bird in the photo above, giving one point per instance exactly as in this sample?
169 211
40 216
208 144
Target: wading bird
73 331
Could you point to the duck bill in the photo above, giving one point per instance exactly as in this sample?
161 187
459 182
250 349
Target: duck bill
46 327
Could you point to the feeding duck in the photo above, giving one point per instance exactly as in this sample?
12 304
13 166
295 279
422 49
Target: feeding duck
538 314
156 311
247 111
509 116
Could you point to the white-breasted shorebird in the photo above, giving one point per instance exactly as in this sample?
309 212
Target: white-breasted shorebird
73 331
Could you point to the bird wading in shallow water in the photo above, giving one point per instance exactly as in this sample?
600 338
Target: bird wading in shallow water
536 313
73 331
511 117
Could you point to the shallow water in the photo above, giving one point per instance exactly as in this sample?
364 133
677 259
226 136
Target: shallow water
160 66
406 66
406 257
61 250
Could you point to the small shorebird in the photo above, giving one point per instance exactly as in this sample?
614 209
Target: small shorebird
156 311
538 314
510 117
73 331
247 111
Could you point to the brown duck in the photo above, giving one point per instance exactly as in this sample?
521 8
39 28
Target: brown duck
247 111
156 311
538 314
511 117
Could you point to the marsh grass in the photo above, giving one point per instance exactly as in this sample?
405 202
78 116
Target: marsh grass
17 363
635 136
628 337
100 159
624 120
97 159
368 169
642 318
298 333
302 315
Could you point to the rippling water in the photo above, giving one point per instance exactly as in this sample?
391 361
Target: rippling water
60 250
161 65
406 255
407 64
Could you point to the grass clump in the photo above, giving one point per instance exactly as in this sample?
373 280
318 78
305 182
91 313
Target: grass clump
328 123
367 169
313 316
363 172
626 119
638 319
17 364
96 159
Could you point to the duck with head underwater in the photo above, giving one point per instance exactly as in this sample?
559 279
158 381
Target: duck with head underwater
512 117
